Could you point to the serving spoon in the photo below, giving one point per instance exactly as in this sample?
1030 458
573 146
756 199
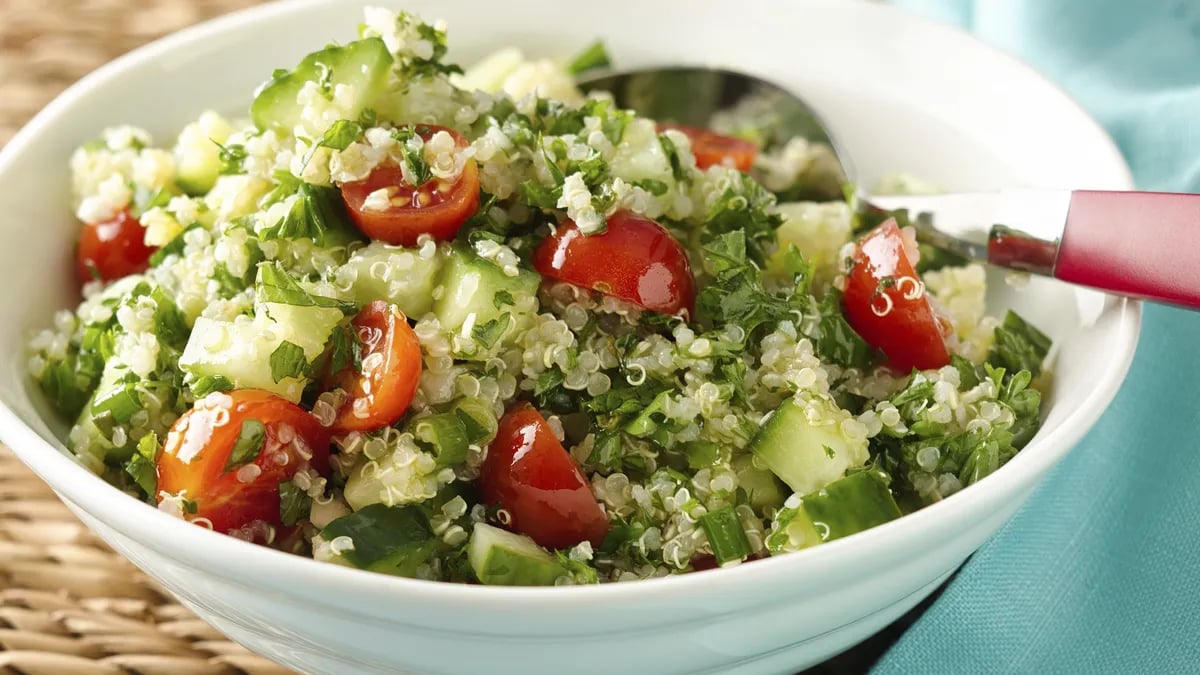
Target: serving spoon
1137 244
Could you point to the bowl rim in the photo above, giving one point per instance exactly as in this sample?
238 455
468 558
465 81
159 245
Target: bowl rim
130 517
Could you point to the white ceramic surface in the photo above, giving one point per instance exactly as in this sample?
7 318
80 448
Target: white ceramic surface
902 93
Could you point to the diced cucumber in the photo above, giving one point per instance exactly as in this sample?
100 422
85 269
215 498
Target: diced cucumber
241 350
360 68
763 489
501 558
234 196
396 274
852 504
817 230
197 155
808 454
640 155
470 288
490 72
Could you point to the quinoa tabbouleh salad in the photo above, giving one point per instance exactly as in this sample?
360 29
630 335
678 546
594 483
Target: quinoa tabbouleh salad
479 327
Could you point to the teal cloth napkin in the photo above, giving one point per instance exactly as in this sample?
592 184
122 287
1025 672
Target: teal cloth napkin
1100 571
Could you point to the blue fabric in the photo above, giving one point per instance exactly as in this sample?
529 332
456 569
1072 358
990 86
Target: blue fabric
1100 572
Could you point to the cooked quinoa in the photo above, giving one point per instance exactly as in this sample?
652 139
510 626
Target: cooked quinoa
257 272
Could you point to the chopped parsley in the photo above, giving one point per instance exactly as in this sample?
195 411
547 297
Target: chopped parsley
288 360
1018 346
141 465
275 284
294 504
249 444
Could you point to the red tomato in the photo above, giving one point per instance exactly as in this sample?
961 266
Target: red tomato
112 249
529 474
391 368
711 148
437 208
886 303
243 500
635 259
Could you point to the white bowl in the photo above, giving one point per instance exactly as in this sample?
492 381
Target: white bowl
903 93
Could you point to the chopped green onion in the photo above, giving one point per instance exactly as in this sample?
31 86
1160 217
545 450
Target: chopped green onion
119 405
595 56
447 433
726 535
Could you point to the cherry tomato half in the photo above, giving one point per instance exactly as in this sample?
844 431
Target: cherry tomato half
711 148
112 249
437 207
391 369
886 303
532 477
635 259
241 499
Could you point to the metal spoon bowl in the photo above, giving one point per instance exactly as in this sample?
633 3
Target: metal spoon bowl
1138 244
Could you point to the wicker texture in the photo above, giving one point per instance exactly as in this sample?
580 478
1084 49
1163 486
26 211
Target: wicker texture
45 45
68 604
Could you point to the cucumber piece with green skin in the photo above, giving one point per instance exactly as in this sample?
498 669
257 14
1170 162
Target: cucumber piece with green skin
855 503
501 558
470 287
198 155
396 274
763 489
806 454
361 67
241 350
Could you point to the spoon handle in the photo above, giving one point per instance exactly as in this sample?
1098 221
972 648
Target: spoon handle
1139 244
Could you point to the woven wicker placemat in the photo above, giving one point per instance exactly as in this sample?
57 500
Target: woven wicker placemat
69 605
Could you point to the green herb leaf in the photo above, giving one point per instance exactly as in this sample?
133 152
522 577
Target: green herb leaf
606 450
210 383
288 360
169 323
276 285
345 350
412 147
490 332
141 465
1018 346
726 535
398 536
838 342
317 211
251 438
340 135
294 504
503 298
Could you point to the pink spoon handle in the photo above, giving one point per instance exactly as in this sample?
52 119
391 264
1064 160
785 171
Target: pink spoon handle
1140 244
